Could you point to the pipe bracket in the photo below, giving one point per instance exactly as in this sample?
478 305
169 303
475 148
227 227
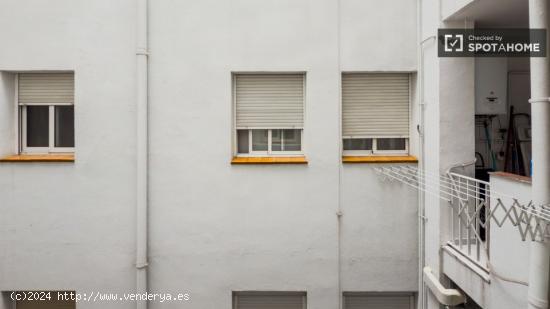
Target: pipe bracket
142 52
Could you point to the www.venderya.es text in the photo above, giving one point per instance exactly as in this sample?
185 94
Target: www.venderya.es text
94 296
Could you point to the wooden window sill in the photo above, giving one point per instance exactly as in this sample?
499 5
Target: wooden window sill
269 160
39 158
514 177
379 159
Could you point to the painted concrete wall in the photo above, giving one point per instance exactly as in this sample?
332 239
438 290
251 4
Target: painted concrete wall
214 227
378 35
504 241
451 7
429 97
270 227
448 97
378 220
71 226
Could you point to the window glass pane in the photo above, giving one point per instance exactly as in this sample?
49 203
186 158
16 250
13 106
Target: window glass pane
37 126
64 126
259 140
358 144
276 140
390 144
286 140
242 141
292 140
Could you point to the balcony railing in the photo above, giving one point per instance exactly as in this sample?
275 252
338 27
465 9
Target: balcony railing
470 205
474 206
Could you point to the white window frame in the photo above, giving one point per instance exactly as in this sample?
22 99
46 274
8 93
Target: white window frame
51 130
375 151
21 126
269 152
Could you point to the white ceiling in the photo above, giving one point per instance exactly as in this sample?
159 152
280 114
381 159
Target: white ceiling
496 13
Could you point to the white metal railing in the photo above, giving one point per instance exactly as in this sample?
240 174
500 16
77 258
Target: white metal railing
474 206
470 207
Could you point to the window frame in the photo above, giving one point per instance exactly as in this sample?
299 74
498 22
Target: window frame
269 152
374 152
21 123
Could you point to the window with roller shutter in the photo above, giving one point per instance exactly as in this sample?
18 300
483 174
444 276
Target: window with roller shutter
375 113
46 112
379 301
269 300
269 113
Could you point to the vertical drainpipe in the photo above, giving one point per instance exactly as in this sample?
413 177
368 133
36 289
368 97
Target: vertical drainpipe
422 219
142 152
540 118
420 129
339 213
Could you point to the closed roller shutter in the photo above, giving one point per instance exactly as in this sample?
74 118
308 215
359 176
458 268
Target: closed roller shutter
379 301
275 300
375 105
269 101
46 88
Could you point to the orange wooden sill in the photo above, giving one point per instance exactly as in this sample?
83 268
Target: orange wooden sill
269 160
39 158
379 159
511 176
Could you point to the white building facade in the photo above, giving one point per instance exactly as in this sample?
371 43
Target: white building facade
231 151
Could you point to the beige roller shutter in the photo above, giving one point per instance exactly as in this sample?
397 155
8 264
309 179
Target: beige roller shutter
46 88
269 101
375 104
272 300
379 301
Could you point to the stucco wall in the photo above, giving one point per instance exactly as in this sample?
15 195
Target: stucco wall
451 7
378 231
429 96
269 227
504 241
214 227
378 35
448 95
71 226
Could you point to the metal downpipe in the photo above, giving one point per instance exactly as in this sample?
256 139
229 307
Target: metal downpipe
142 151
